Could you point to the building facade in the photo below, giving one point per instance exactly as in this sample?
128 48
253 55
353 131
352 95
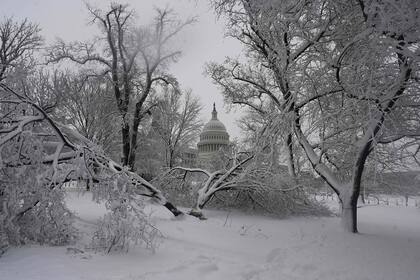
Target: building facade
189 157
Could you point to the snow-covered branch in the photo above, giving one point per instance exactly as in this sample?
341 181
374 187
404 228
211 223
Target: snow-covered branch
66 150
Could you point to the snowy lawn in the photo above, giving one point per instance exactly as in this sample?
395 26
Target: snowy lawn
237 246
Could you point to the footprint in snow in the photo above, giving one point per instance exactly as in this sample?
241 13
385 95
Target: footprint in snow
275 254
180 229
205 264
177 268
201 263
252 275
201 258
208 268
304 268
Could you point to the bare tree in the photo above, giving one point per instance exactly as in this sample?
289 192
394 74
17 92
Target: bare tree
18 42
88 106
176 121
346 72
134 60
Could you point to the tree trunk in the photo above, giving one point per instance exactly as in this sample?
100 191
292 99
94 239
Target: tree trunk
175 211
125 133
349 213
202 199
132 154
171 158
197 212
290 157
133 141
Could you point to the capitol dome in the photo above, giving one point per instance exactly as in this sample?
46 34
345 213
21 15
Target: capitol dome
214 125
213 137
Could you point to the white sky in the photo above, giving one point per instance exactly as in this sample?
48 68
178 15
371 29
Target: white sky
200 43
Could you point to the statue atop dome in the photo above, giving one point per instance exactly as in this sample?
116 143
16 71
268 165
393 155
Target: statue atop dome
214 113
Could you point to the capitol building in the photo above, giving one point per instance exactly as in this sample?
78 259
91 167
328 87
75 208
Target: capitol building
213 138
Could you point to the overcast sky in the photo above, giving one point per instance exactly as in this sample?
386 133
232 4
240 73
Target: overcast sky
200 43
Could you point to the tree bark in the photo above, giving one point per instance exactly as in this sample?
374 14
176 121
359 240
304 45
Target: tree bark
349 198
349 215
125 134
198 213
171 158
173 209
133 145
290 156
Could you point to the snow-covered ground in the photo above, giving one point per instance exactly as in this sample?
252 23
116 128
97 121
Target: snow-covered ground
232 245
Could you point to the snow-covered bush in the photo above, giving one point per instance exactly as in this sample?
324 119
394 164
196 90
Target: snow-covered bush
276 195
126 225
276 203
32 202
122 229
249 183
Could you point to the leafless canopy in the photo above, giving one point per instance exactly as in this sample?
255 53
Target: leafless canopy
133 59
18 41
